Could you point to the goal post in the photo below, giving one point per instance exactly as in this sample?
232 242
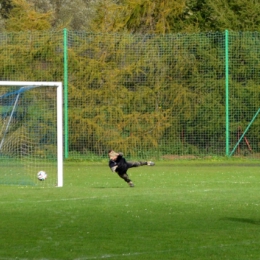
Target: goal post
31 132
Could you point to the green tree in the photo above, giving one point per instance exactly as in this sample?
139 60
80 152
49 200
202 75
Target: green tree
23 17
5 8
138 16
74 15
218 15
174 16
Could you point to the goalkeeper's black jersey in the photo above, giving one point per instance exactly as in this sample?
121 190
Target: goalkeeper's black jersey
121 164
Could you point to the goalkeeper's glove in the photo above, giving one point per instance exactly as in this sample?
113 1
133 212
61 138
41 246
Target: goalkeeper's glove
113 169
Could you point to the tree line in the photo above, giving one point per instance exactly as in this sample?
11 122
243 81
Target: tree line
130 16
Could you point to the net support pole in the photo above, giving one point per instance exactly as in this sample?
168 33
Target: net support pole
66 132
8 123
227 90
242 136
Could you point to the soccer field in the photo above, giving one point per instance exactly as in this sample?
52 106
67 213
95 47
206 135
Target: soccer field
177 210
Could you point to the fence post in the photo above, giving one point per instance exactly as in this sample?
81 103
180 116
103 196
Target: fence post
65 83
227 91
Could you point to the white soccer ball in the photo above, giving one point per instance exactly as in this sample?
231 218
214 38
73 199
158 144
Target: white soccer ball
41 175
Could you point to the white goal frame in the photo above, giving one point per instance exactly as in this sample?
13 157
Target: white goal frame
58 85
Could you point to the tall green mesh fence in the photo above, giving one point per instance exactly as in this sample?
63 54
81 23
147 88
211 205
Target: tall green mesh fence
147 95
31 56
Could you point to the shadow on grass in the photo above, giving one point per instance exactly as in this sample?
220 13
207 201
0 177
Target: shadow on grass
243 220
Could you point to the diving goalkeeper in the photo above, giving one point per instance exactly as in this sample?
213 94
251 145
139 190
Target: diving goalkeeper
118 164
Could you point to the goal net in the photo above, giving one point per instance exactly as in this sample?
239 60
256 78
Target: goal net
31 135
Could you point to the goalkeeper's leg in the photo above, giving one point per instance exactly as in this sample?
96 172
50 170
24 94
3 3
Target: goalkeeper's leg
137 164
125 177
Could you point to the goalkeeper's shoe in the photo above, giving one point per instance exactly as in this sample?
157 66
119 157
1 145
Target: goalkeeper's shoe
150 163
131 184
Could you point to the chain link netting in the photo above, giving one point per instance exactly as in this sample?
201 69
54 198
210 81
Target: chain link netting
147 95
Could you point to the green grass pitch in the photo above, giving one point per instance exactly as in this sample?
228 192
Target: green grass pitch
178 210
